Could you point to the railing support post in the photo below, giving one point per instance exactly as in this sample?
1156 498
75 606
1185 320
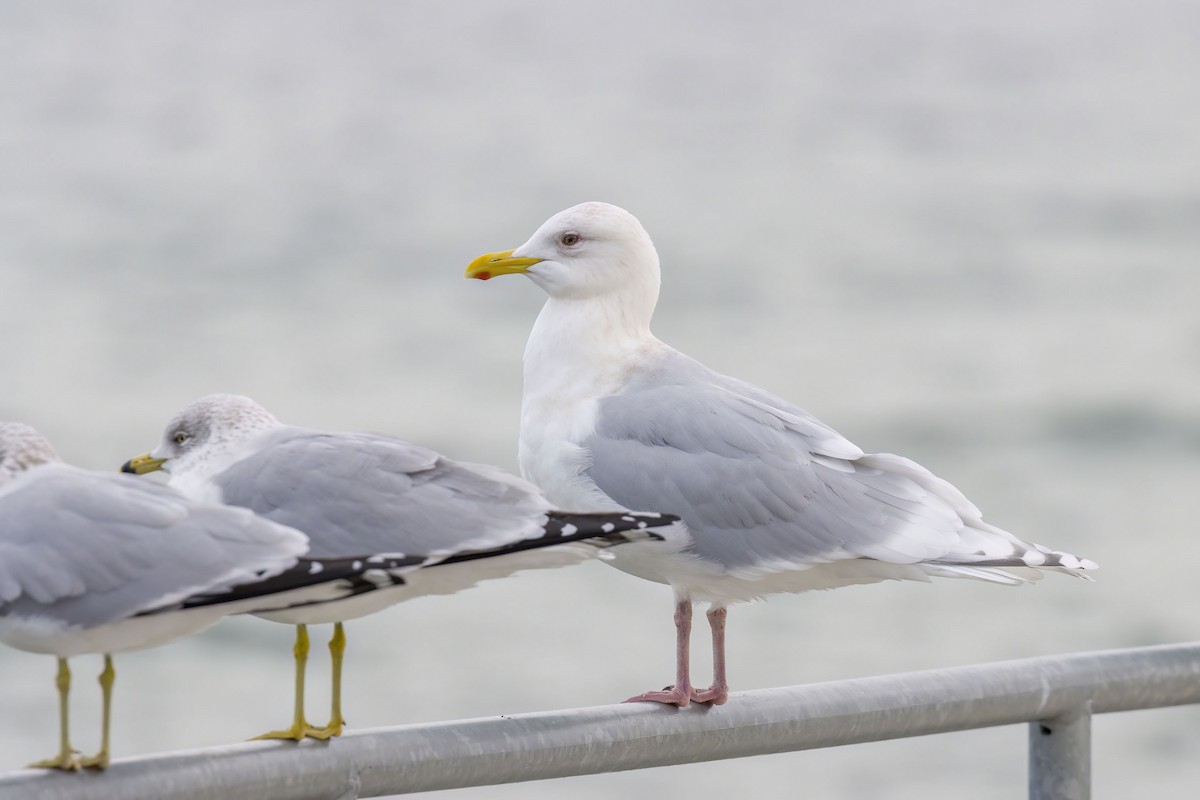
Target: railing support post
1060 756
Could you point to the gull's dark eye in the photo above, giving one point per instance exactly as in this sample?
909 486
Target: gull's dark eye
181 437
570 239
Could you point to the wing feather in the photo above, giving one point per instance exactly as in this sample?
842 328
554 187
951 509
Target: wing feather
92 548
763 485
371 493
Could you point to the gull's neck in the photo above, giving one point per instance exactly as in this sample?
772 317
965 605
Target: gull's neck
580 350
596 336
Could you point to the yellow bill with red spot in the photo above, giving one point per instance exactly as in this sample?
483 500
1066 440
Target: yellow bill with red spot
489 265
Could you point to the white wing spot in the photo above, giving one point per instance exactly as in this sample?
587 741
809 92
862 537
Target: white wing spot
1033 559
378 577
316 567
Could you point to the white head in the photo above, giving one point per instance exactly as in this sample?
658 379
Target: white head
205 437
22 448
592 250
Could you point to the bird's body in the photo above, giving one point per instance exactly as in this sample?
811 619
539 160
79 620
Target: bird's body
372 493
103 563
100 563
774 500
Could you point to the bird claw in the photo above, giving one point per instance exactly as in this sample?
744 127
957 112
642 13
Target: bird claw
671 696
295 733
717 695
332 730
67 761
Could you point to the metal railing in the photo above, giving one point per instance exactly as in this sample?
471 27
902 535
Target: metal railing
1056 694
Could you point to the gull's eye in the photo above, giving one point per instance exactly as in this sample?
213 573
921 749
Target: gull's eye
181 437
570 239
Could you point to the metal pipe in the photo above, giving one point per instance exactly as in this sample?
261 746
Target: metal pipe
583 741
1060 756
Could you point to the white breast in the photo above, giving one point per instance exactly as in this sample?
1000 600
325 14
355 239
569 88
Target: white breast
555 421
561 401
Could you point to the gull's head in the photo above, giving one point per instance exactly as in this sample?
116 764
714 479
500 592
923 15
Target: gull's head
205 435
22 448
589 250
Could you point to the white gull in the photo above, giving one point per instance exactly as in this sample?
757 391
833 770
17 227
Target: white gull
774 500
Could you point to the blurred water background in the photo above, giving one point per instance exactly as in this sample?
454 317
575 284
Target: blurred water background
964 232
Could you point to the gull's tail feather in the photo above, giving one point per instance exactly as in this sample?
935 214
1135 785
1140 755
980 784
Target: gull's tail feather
1001 557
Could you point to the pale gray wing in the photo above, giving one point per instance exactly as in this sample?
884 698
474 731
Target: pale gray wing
761 484
356 493
92 548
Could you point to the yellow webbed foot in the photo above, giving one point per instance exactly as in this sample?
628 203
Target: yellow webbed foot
333 729
68 761
296 732
98 761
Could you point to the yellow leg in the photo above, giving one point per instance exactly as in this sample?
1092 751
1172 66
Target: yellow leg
67 759
300 727
107 677
337 649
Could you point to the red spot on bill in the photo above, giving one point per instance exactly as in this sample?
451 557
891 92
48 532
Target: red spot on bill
483 276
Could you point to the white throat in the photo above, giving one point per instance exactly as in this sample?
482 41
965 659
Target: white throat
559 402
570 332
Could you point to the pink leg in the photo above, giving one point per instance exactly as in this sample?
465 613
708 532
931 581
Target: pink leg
681 693
718 693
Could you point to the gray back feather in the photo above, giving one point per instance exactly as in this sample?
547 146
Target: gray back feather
92 548
355 493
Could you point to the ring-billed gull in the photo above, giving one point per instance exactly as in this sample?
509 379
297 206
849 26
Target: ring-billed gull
102 563
366 492
775 500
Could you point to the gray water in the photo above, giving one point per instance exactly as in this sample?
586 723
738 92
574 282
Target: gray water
964 232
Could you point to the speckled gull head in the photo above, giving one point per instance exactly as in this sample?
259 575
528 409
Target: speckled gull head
22 448
589 250
205 437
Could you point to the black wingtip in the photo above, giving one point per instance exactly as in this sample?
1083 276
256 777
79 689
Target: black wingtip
357 574
601 530
572 526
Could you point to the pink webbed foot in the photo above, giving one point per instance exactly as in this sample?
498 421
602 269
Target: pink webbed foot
717 695
671 696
